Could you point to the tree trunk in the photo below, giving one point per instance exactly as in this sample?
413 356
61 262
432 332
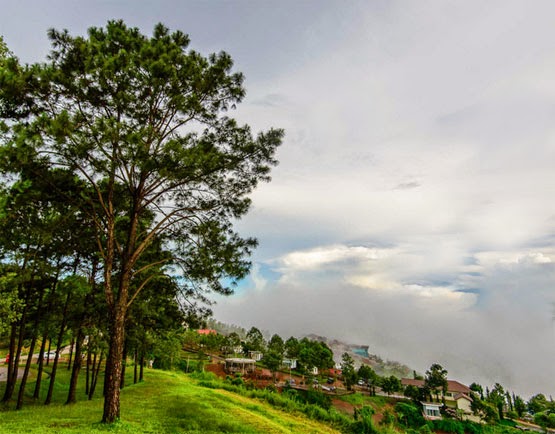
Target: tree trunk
95 372
114 365
59 342
72 393
71 345
31 350
48 351
135 361
142 365
88 371
123 365
10 380
40 368
25 374
14 361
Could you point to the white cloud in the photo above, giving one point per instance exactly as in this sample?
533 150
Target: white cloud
327 255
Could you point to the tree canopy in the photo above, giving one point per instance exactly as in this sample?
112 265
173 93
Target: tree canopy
139 124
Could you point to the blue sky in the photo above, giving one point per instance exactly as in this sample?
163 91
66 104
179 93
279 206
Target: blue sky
413 208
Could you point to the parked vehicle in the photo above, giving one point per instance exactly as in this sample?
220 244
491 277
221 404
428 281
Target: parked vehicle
49 355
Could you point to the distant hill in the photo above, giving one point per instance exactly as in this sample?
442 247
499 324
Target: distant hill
361 355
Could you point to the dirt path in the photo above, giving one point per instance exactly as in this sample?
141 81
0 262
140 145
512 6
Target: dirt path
4 373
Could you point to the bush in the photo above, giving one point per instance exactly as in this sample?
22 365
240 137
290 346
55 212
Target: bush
388 417
511 414
545 419
206 376
409 415
448 425
318 398
363 421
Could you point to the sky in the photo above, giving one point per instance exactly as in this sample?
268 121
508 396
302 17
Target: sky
412 209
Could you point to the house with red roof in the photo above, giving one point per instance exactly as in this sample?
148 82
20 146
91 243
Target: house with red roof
207 332
457 398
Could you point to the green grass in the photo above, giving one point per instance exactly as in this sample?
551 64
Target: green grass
167 402
359 399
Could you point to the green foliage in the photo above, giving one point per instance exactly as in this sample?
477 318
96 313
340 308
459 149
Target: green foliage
477 388
276 344
348 372
409 415
363 421
273 359
389 417
537 403
413 392
292 347
436 379
312 353
391 384
254 341
519 405
545 419
290 400
135 132
497 398
10 303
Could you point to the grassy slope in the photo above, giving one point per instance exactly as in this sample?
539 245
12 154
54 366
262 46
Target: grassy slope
166 402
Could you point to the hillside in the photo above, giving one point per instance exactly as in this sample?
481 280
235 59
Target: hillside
167 402
361 355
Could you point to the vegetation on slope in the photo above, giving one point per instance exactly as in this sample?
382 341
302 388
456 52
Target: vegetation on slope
168 402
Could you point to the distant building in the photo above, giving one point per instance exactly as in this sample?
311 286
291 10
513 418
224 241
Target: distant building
256 355
289 363
241 366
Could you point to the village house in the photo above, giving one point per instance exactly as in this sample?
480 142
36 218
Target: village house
256 355
289 363
457 398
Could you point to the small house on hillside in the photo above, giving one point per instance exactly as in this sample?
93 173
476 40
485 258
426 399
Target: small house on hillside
457 397
256 355
207 332
289 363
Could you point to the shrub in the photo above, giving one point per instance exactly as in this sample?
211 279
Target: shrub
409 415
388 417
363 421
511 414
